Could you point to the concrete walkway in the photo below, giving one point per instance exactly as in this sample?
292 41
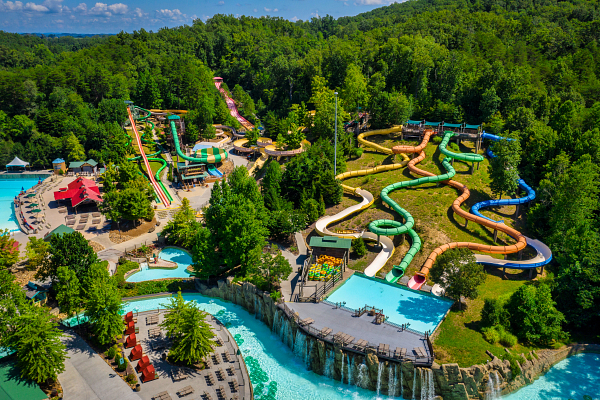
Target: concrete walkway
88 377
289 285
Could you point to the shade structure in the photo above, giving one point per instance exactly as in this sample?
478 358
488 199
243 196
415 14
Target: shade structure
30 195
33 205
37 210
149 374
131 341
136 353
128 317
142 364
130 328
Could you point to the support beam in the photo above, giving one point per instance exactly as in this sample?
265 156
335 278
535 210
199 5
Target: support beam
517 212
495 235
466 222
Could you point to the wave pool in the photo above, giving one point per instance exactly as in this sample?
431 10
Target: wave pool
10 186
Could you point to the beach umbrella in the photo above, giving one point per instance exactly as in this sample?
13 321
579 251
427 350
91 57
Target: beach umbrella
33 205
30 195
37 210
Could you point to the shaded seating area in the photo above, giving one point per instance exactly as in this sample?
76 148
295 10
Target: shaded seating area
129 317
142 364
149 374
17 165
131 328
136 353
131 341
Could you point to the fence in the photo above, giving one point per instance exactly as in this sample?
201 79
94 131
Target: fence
334 340
320 290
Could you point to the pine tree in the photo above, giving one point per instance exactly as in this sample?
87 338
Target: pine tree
103 307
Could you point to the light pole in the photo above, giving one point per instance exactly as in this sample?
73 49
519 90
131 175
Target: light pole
335 139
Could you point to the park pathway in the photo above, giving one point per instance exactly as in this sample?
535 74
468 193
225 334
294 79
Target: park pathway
88 377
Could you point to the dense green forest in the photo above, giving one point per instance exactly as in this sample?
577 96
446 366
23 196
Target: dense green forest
525 68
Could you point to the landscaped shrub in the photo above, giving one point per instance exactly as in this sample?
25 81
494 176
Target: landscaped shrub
118 358
507 339
494 312
131 379
152 287
358 246
437 139
356 152
122 365
124 267
514 361
454 147
491 335
111 353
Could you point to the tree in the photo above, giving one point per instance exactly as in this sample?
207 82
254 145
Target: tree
533 315
503 167
273 269
186 325
74 149
68 291
252 136
458 274
324 120
9 249
358 245
112 110
37 251
36 340
134 205
103 306
354 91
71 250
182 228
12 302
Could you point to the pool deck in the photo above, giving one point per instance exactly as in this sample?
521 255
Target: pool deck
196 379
364 327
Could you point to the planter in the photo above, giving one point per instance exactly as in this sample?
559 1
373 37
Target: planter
137 387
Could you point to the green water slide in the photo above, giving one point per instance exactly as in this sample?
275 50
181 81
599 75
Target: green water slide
210 156
388 227
151 156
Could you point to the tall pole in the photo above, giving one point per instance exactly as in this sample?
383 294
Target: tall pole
335 140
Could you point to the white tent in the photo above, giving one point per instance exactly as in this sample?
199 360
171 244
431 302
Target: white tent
17 162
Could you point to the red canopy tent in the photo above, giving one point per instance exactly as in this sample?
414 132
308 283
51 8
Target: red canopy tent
128 317
136 353
131 328
149 374
142 364
131 341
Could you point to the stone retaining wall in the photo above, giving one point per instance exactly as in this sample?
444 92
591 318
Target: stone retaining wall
369 372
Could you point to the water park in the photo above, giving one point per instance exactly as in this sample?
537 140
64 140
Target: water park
365 327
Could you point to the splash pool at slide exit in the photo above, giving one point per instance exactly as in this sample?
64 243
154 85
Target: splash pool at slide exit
422 311
572 378
181 257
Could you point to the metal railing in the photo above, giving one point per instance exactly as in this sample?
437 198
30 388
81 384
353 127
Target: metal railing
332 339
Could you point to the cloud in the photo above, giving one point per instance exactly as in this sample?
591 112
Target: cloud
138 12
100 9
221 3
255 10
372 2
173 15
267 9
118 8
36 7
275 10
81 8
11 6
294 19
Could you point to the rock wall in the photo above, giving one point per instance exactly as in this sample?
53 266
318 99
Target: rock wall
454 383
445 382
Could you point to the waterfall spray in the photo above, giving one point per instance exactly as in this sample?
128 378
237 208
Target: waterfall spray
392 381
350 370
414 388
362 380
300 345
427 387
329 364
401 382
493 387
309 354
342 368
379 371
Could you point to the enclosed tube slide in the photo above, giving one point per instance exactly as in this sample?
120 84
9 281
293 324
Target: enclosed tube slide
157 188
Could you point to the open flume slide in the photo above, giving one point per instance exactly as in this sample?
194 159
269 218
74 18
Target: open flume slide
231 105
210 156
161 195
387 244
521 241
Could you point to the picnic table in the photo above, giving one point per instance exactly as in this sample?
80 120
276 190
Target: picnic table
210 379
185 391
152 319
325 331
307 321
178 375
162 396
383 348
361 343
154 332
400 352
421 353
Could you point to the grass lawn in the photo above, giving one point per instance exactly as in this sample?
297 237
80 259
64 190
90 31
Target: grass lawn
458 338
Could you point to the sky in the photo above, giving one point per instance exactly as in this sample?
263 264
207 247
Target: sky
75 16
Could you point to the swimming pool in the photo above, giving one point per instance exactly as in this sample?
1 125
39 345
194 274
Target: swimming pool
10 186
572 378
423 312
294 381
179 256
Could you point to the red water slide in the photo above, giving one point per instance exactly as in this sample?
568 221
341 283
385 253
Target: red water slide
138 141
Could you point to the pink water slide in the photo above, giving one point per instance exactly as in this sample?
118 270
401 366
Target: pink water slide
231 105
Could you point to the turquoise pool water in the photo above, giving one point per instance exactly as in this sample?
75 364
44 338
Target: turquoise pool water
294 381
10 186
401 305
572 378
181 257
